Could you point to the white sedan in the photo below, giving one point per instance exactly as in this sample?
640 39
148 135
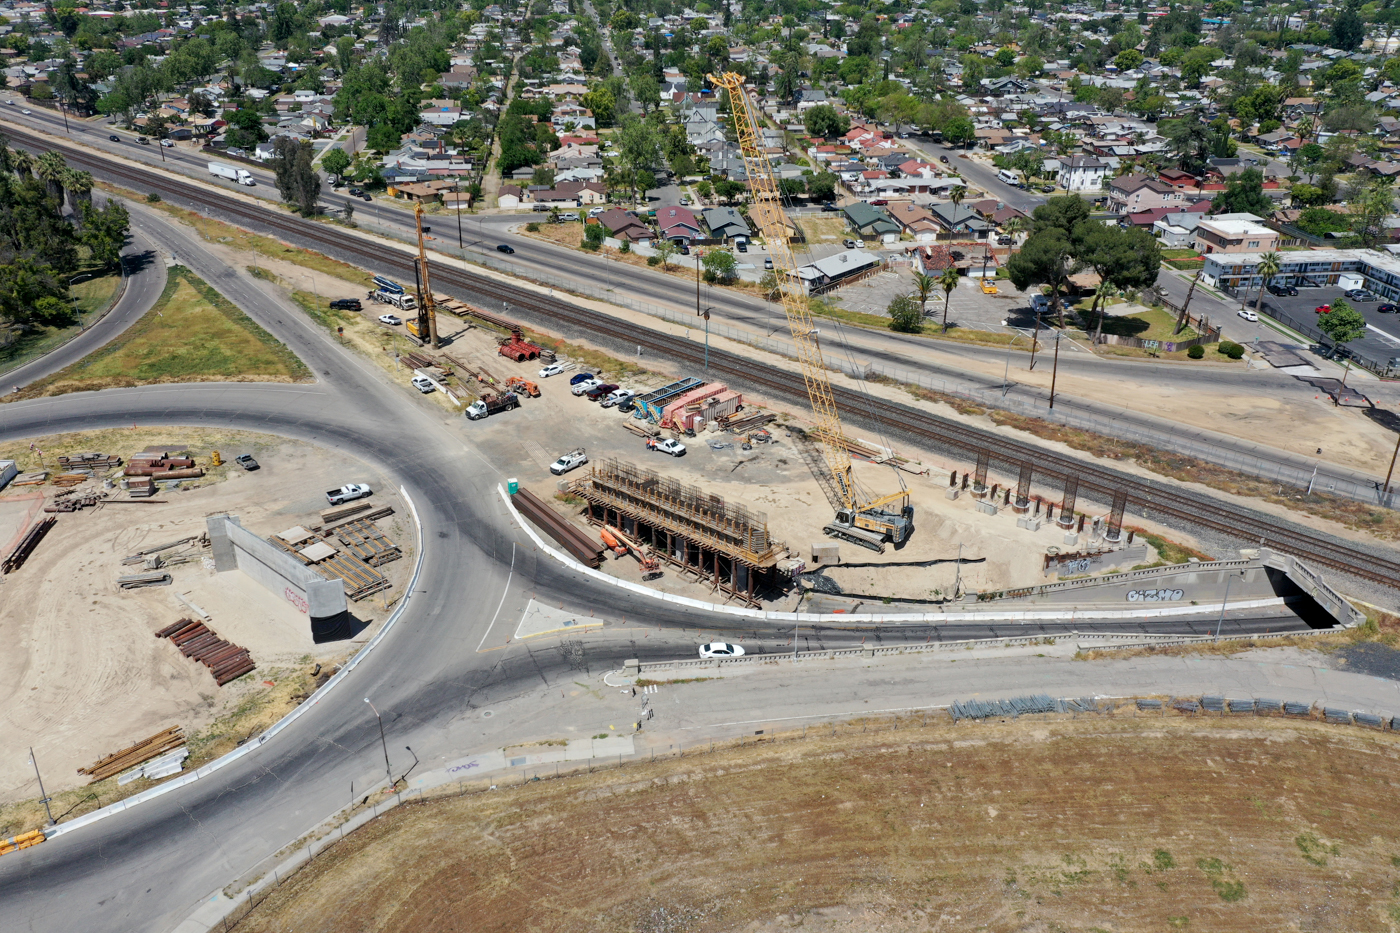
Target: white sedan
1247 314
553 369
720 649
393 320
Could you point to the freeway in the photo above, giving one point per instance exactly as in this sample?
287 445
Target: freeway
447 659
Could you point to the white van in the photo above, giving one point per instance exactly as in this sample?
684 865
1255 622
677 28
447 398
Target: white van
1010 177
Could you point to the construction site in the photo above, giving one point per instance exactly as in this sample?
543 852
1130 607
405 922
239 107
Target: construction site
137 622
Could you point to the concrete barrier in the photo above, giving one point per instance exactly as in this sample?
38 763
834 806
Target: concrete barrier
236 548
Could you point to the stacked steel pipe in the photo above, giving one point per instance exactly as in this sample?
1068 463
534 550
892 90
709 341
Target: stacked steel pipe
225 660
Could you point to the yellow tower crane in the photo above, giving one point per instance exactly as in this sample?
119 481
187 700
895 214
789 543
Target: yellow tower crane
861 518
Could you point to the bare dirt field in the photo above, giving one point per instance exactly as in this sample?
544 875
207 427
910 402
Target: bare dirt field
1096 824
84 675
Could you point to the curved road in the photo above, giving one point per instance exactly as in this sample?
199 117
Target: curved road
146 868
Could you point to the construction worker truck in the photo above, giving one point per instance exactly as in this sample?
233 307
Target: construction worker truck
489 405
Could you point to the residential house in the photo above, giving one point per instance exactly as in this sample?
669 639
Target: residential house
423 191
869 222
584 193
825 274
958 219
1234 233
625 226
726 223
1177 229
1129 194
677 223
509 197
915 220
1082 173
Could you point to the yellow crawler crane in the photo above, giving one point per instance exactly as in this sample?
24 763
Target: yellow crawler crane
861 519
426 326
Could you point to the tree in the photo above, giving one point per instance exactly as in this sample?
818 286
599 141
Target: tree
336 161
1243 194
1268 267
1348 31
905 316
543 175
729 190
948 279
1342 325
1063 213
50 168
1046 258
297 181
1190 141
924 284
720 266
822 186
823 120
1128 59
245 128
105 232
959 131
664 251
1369 210
601 101
382 137
1123 259
645 90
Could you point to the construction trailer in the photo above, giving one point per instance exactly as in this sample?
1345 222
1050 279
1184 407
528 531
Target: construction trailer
721 544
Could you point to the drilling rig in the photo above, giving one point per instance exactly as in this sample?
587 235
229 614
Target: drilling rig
861 518
427 312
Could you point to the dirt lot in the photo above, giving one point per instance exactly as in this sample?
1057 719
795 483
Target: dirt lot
774 478
85 677
1104 823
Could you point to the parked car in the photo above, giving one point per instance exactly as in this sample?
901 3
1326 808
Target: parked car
830 208
423 384
1283 291
580 388
553 369
879 202
114 137
393 320
618 397
849 244
943 159
348 492
1047 189
628 406
741 245
364 195
1004 240
346 304
570 460
685 202
685 249
1247 314
143 140
601 390
1323 309
246 461
668 446
356 191
582 377
1385 309
505 248
1359 294
768 262
720 649
167 144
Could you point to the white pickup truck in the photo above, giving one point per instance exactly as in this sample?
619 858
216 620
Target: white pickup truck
348 493
564 464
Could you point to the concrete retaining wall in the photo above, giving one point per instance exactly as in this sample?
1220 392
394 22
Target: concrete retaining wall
236 548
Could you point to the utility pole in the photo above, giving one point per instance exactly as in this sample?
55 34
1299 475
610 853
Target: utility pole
42 795
1035 342
457 203
387 771
1182 316
1055 371
1390 472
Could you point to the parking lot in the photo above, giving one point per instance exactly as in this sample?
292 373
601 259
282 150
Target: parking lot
969 307
1382 340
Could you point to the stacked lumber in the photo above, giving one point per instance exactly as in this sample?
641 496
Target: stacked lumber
640 429
225 660
359 578
27 544
135 581
138 467
99 462
363 539
748 420
71 479
345 511
130 757
418 360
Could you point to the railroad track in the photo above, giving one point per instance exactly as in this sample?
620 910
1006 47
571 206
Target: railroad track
1007 454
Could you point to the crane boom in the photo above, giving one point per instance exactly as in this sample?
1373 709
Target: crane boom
427 312
860 519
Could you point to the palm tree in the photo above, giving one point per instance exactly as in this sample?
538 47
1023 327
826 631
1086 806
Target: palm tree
50 167
1268 268
1014 226
23 164
79 187
924 284
949 281
956 195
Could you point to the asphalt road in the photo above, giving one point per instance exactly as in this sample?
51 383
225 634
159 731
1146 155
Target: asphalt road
145 280
447 659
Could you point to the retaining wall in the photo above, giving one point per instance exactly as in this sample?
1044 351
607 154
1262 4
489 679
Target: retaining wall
236 548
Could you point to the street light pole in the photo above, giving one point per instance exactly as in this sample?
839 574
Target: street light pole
42 796
457 201
387 771
1228 580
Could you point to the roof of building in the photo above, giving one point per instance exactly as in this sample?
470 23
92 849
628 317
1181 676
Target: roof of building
838 265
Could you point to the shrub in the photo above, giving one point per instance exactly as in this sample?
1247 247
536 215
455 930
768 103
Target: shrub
1231 349
626 247
1197 352
905 315
653 260
153 198
594 234
590 246
532 227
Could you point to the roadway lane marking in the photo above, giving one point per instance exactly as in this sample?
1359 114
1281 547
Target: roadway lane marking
504 592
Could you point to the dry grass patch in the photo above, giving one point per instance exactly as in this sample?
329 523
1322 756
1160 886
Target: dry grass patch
1104 822
191 334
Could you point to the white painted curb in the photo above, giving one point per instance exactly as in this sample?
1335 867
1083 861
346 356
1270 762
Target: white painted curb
875 618
228 759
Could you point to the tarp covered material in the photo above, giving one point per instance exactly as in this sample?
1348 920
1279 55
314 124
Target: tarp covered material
318 551
295 535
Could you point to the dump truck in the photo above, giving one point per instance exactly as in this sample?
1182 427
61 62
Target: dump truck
489 405
240 175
